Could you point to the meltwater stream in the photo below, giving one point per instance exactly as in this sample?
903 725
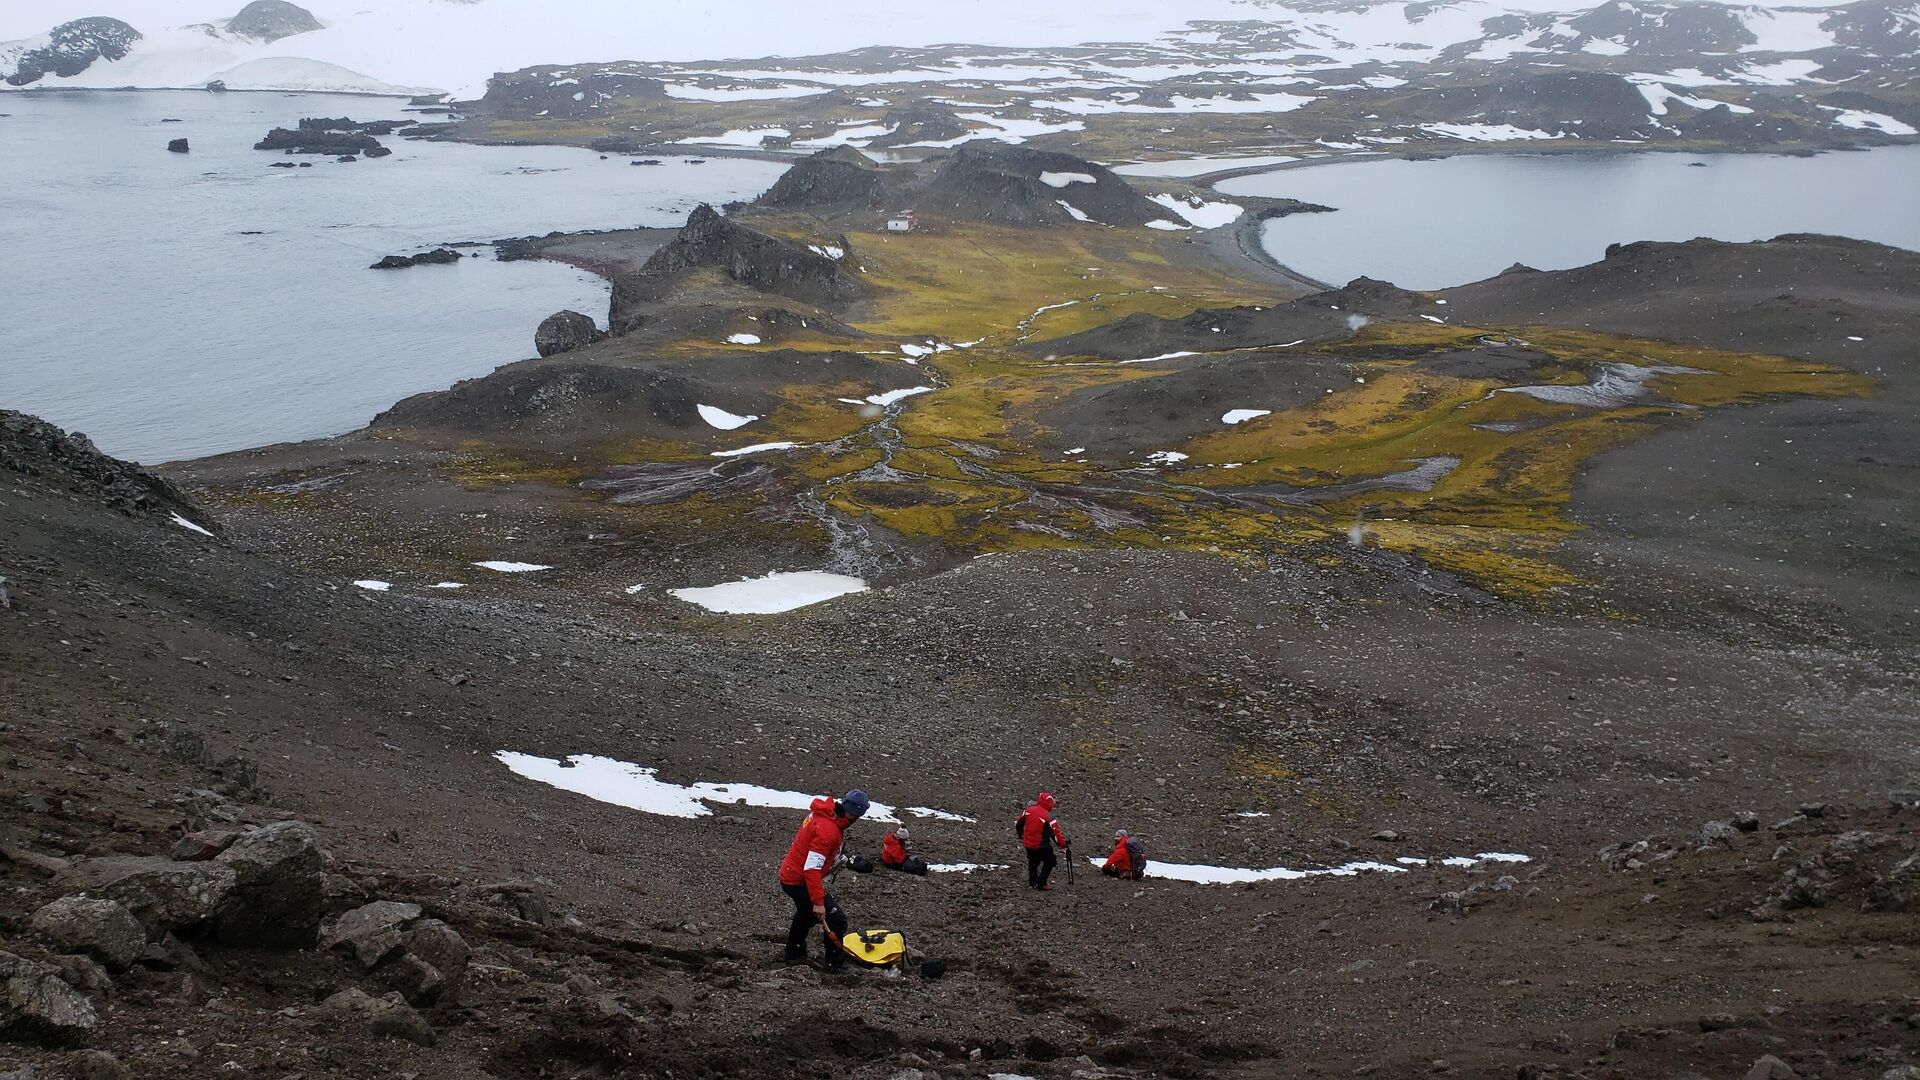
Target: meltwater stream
175 305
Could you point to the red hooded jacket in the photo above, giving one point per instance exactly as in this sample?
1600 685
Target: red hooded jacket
1036 821
814 849
1121 861
892 851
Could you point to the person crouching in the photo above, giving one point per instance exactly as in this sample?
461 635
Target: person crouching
893 854
815 850
1128 860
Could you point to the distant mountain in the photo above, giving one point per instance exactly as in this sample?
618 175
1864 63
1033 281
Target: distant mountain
457 46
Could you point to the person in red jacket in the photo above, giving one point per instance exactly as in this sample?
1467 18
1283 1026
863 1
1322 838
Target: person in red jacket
893 850
814 852
893 854
1128 860
1038 832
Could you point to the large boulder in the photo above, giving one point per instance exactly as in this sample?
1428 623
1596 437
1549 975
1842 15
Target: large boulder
425 960
565 331
36 1003
431 965
101 928
279 884
371 932
161 893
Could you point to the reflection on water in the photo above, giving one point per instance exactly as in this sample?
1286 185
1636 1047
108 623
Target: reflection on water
1431 224
173 305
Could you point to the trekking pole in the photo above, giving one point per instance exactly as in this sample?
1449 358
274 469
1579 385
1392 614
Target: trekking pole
1069 864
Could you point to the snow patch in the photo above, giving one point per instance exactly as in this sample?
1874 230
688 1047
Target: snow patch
511 567
1860 120
743 339
638 787
1200 213
939 815
374 586
1241 416
1166 457
723 419
771 594
1062 179
185 524
756 448
892 396
1165 226
962 867
1491 132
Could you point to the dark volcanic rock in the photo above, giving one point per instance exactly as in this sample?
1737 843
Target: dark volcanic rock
436 257
346 124
161 893
565 331
753 258
36 1003
920 123
1001 184
101 928
278 887
271 20
388 1016
34 447
307 141
177 146
378 152
543 92
838 177
74 47
1601 104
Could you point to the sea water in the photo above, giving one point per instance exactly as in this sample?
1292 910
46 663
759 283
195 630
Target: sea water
177 305
1435 223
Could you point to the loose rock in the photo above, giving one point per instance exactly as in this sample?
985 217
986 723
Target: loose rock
101 928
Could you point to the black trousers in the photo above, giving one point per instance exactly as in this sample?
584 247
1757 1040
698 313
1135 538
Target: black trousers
1040 862
803 923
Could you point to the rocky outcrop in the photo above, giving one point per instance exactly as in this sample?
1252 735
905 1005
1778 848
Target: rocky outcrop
565 331
424 960
841 177
347 124
1602 105
309 141
1320 316
37 1004
271 20
161 893
264 890
103 929
1008 185
33 447
558 93
73 47
436 257
920 123
177 146
752 258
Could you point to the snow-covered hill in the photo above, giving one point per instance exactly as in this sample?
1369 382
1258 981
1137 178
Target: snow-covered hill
405 46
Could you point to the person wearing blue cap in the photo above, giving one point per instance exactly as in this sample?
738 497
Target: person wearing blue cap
814 852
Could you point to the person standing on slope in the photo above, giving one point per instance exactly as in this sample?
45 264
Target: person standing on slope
815 850
1038 831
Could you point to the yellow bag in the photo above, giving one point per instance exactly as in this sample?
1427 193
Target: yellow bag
874 948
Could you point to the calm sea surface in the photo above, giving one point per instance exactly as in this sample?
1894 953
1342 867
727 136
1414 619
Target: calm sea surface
1430 224
175 305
